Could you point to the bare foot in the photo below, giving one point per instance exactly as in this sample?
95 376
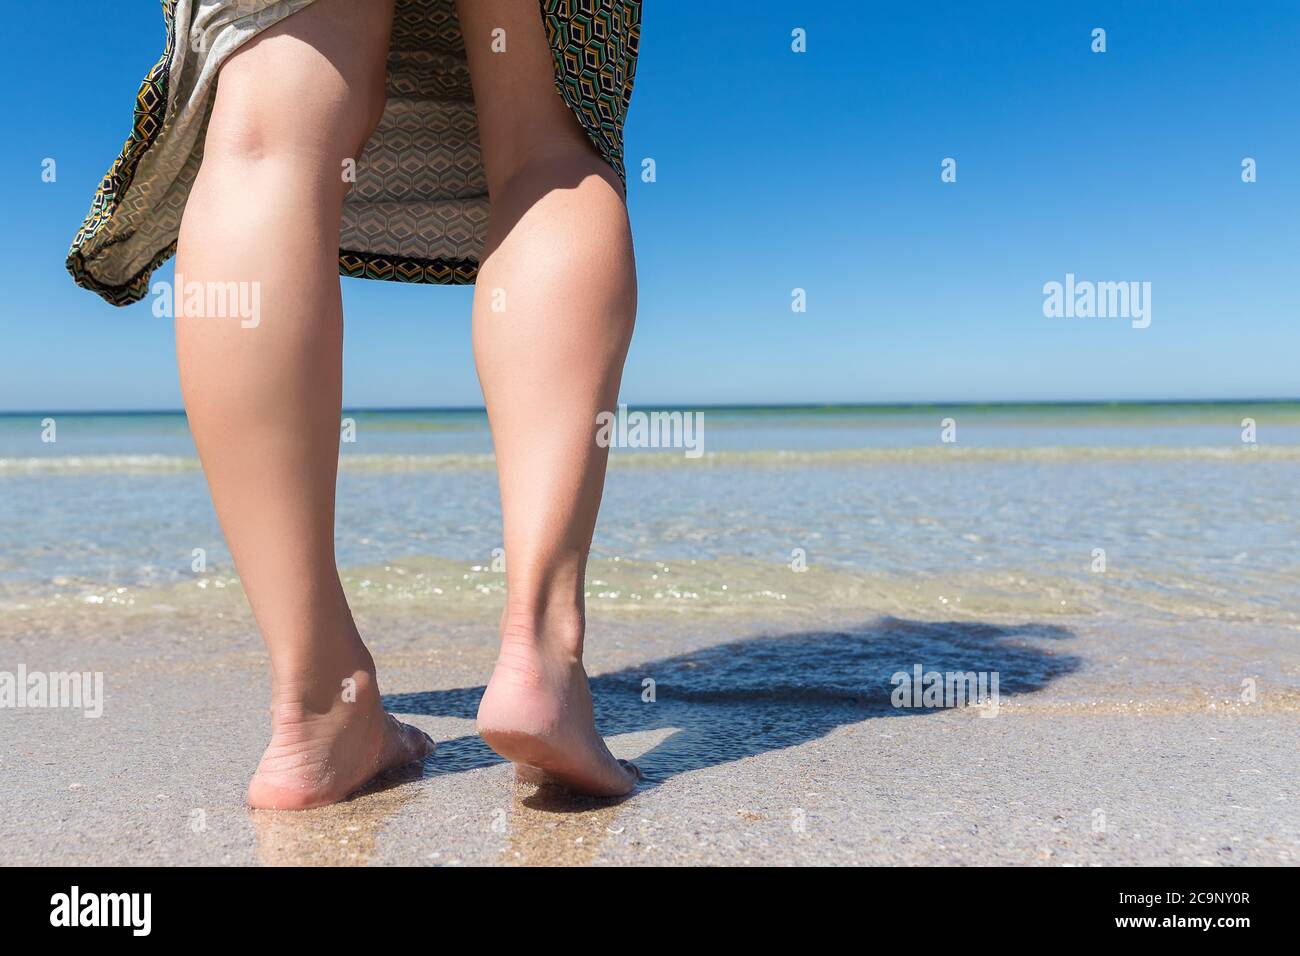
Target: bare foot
322 751
537 712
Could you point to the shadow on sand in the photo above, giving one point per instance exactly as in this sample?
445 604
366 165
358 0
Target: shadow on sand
759 694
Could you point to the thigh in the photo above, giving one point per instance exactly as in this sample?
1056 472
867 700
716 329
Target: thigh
520 114
314 80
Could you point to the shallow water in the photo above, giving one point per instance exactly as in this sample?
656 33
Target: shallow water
783 504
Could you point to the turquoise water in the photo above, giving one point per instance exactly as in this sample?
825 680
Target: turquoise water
1185 510
445 431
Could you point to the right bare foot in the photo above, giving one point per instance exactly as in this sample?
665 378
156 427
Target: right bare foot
326 746
537 712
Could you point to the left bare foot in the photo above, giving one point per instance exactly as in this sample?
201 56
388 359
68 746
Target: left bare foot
320 755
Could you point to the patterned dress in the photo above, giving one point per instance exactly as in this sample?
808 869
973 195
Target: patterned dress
419 208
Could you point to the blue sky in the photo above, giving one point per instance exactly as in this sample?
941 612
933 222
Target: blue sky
818 170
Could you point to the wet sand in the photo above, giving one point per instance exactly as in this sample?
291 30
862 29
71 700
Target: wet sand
772 739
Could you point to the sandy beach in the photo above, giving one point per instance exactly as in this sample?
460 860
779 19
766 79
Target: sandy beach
764 744
1128 577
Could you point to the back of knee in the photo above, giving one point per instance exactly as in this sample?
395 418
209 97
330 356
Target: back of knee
561 163
312 140
303 119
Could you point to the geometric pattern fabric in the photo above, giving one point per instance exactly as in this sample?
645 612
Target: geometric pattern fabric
418 211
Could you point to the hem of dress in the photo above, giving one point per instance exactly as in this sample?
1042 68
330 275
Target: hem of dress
443 270
361 265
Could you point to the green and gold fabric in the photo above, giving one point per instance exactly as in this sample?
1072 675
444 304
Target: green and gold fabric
418 211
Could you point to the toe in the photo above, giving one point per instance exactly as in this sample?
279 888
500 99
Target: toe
418 744
407 744
633 770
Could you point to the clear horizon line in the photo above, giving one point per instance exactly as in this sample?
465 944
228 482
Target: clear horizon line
719 406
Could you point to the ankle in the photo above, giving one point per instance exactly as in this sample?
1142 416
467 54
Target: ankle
322 687
555 629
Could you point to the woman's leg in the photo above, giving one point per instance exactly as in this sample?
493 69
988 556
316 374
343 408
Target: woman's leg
559 267
263 400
